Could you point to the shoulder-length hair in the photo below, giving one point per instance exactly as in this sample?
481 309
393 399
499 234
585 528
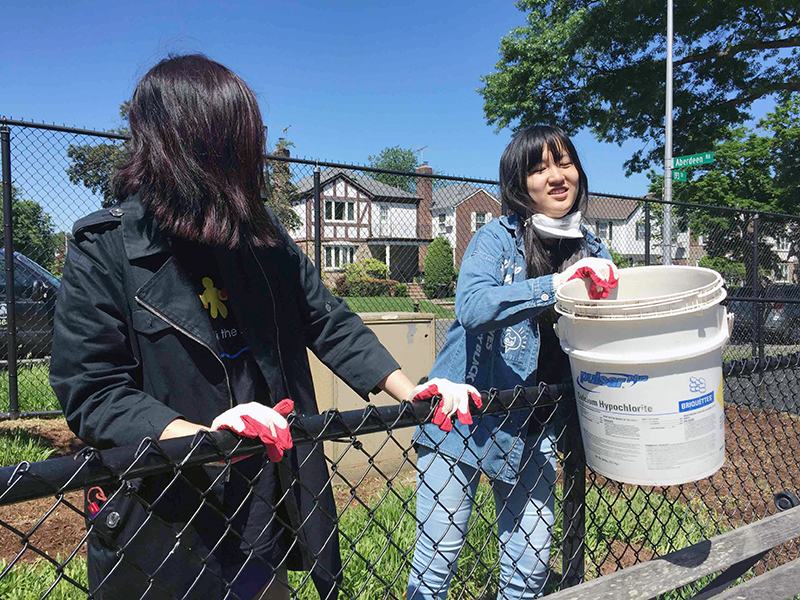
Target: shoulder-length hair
196 154
519 159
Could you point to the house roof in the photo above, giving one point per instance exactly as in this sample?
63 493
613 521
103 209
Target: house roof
452 195
377 189
610 207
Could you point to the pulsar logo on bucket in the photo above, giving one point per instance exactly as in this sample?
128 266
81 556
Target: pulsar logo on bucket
612 380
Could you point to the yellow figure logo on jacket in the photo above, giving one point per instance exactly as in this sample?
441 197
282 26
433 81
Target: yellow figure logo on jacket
213 299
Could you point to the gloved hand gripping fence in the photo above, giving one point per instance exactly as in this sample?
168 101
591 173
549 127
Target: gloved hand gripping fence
255 420
454 400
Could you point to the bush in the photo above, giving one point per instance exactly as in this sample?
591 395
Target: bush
369 267
340 285
369 286
439 271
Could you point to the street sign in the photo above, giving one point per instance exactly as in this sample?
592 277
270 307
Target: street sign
692 160
678 175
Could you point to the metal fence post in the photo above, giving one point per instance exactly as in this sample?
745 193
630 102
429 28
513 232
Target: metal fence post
758 307
647 233
317 223
11 313
573 504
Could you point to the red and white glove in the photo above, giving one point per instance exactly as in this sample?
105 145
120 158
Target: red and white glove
454 400
601 271
255 420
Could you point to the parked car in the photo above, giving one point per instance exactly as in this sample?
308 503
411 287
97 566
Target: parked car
35 290
780 321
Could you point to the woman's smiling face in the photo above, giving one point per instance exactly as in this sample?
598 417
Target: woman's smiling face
553 184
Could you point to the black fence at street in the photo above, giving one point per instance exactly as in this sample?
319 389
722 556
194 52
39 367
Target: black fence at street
388 242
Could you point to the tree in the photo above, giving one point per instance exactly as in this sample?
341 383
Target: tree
602 65
439 271
33 230
280 191
94 164
753 169
734 273
395 158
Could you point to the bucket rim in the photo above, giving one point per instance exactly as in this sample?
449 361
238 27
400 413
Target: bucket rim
603 305
595 313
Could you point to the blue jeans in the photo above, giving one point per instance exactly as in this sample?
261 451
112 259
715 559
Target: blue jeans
445 494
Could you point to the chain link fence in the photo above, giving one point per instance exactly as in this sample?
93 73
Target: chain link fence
386 242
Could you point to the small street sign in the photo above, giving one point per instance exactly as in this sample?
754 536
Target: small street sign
692 160
678 175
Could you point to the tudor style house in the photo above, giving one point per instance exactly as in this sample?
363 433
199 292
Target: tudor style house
363 218
458 211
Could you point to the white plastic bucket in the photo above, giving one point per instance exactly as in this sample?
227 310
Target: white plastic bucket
647 372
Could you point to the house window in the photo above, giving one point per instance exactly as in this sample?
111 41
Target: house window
640 231
783 243
479 219
604 230
784 268
701 240
337 257
340 210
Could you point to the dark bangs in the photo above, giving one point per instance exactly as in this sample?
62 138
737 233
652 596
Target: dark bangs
522 154
196 153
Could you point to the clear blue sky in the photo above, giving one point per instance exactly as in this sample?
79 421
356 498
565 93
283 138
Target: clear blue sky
348 78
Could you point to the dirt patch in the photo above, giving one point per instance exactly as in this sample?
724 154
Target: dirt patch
54 433
623 555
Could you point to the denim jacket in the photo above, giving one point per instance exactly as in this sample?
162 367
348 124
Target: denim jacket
494 343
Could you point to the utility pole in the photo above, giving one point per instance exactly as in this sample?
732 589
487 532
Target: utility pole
666 228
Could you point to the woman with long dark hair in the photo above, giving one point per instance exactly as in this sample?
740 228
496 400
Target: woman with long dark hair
503 337
187 307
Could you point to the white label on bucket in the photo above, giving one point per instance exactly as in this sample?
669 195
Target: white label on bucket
653 424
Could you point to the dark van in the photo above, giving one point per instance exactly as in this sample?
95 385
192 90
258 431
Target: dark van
35 289
780 320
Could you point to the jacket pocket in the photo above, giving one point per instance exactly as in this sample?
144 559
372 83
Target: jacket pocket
148 324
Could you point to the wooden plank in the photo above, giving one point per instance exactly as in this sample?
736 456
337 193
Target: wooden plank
660 575
778 584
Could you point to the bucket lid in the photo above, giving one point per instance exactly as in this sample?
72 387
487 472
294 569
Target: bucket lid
645 292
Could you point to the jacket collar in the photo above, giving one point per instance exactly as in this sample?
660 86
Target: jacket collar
140 233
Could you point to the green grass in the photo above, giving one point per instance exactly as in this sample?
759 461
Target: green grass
33 387
31 581
17 445
377 542
388 304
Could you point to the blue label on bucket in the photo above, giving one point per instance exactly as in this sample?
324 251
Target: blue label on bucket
695 403
612 380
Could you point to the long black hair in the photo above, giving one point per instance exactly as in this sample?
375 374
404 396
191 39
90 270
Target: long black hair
520 157
196 153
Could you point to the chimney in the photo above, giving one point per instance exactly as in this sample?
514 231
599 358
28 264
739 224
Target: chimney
424 217
425 193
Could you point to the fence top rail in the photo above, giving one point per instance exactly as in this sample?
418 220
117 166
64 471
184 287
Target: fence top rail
63 128
676 569
28 481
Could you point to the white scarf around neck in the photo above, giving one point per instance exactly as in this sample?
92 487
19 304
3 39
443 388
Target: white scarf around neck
567 227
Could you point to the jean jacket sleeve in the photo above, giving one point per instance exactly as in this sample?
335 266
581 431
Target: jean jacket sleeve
487 299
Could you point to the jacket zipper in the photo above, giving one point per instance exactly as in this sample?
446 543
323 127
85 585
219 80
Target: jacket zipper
191 337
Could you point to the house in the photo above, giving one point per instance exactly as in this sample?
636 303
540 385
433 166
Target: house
458 211
620 223
361 218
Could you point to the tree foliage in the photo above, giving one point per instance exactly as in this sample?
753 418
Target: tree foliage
602 65
280 191
94 164
753 169
395 158
33 230
734 273
439 269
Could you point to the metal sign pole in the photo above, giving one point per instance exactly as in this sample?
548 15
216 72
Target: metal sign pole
666 228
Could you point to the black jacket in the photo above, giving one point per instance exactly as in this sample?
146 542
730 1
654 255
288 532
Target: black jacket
133 350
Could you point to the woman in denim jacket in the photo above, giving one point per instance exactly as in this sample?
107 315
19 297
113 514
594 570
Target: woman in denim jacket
503 337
